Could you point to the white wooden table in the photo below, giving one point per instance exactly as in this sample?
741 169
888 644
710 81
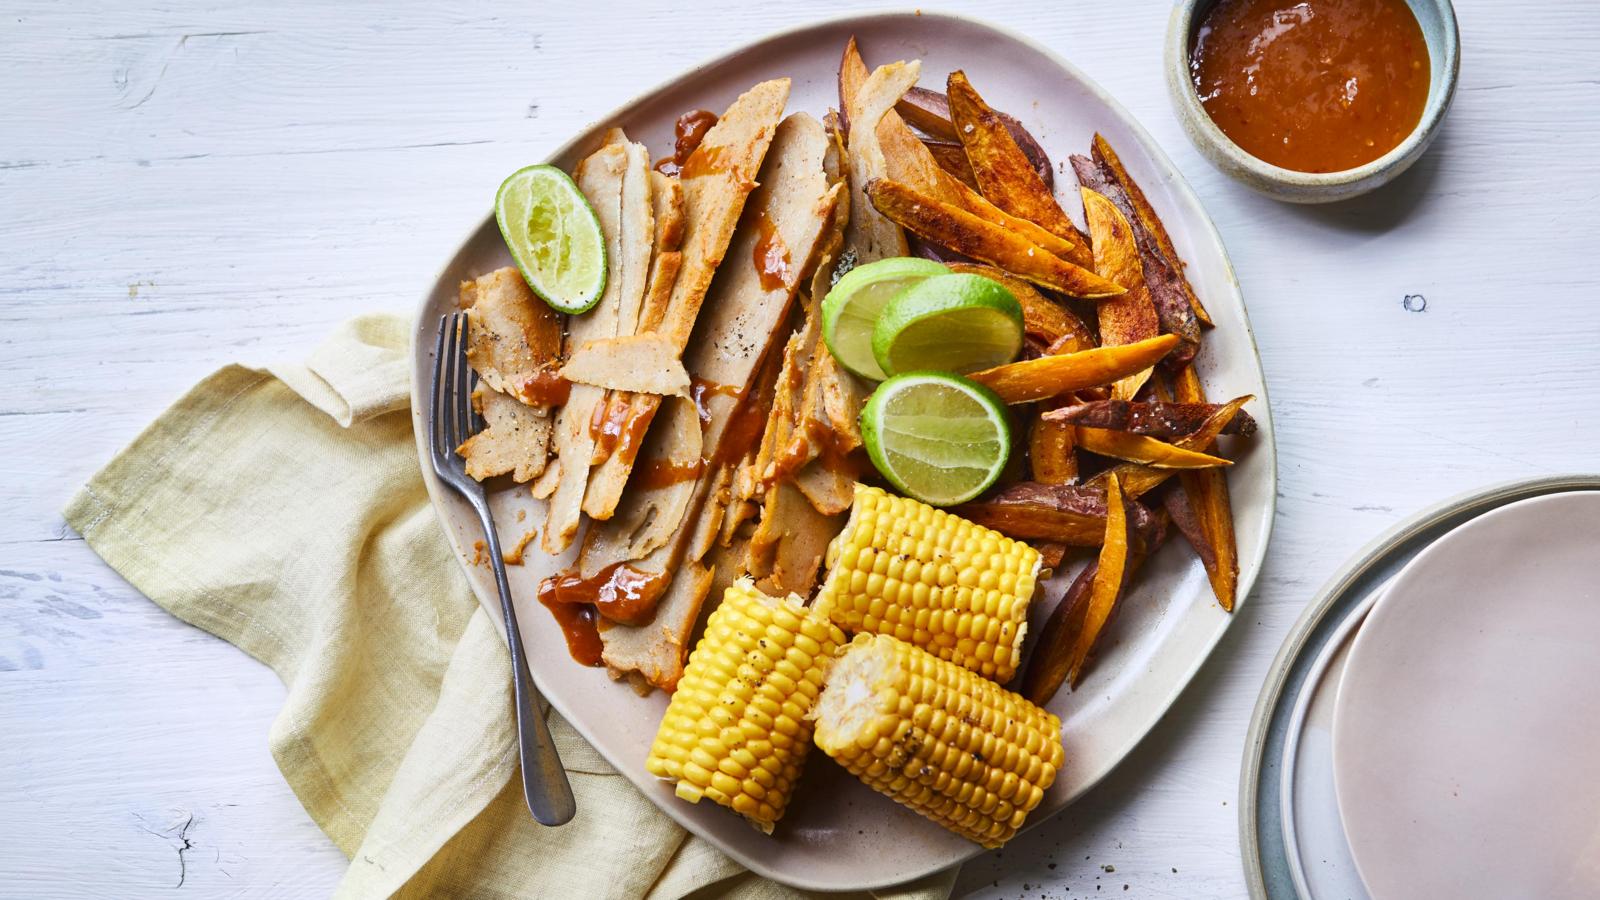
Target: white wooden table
187 184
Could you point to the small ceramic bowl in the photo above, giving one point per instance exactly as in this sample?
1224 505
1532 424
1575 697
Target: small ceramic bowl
1438 21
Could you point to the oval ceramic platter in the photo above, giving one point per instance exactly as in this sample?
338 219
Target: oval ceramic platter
837 834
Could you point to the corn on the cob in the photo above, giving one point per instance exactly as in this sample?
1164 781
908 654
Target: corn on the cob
951 587
954 746
738 727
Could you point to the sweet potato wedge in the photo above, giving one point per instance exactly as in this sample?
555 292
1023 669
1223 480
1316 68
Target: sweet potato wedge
1050 376
1168 421
1050 456
961 231
1005 174
1107 586
953 160
1139 479
1043 319
1207 492
1052 655
911 162
1146 450
929 112
973 202
1074 515
1111 165
1051 555
1132 316
1166 292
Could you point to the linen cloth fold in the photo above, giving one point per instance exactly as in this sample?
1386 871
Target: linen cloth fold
283 511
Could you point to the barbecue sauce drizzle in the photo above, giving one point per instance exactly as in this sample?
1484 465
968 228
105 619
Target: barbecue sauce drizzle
545 388
688 132
619 592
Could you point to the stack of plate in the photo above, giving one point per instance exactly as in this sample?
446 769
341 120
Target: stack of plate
1431 727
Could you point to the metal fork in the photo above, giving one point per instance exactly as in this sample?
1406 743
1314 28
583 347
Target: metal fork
451 421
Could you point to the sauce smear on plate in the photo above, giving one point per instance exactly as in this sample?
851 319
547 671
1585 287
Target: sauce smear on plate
1315 85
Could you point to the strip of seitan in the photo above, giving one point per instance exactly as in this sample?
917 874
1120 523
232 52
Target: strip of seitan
513 337
600 176
643 363
870 235
515 437
638 235
657 649
609 476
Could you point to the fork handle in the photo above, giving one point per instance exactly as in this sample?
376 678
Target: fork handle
544 780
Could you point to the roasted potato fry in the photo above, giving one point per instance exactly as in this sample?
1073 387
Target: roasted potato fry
1050 456
1139 479
953 159
1051 555
1051 376
929 112
976 204
1047 668
1166 292
966 233
1168 421
1112 166
1069 514
1005 174
1130 317
1043 319
1147 450
1107 587
1207 493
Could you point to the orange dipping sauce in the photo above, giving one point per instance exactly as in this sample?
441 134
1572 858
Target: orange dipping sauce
1315 85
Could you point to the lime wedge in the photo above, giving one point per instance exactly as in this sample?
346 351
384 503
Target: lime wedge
952 323
851 309
938 438
554 237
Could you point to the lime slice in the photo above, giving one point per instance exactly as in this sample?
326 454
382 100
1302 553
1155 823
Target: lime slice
554 237
941 439
851 309
952 323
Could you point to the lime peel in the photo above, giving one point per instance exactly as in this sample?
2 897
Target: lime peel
956 322
554 237
851 308
939 438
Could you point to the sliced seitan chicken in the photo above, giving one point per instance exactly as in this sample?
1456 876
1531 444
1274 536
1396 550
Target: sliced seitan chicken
515 438
513 337
605 177
782 232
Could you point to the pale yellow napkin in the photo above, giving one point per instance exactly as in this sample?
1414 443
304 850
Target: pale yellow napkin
282 510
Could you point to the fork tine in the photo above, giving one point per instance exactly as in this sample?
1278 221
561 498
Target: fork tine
436 420
464 399
461 386
452 432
